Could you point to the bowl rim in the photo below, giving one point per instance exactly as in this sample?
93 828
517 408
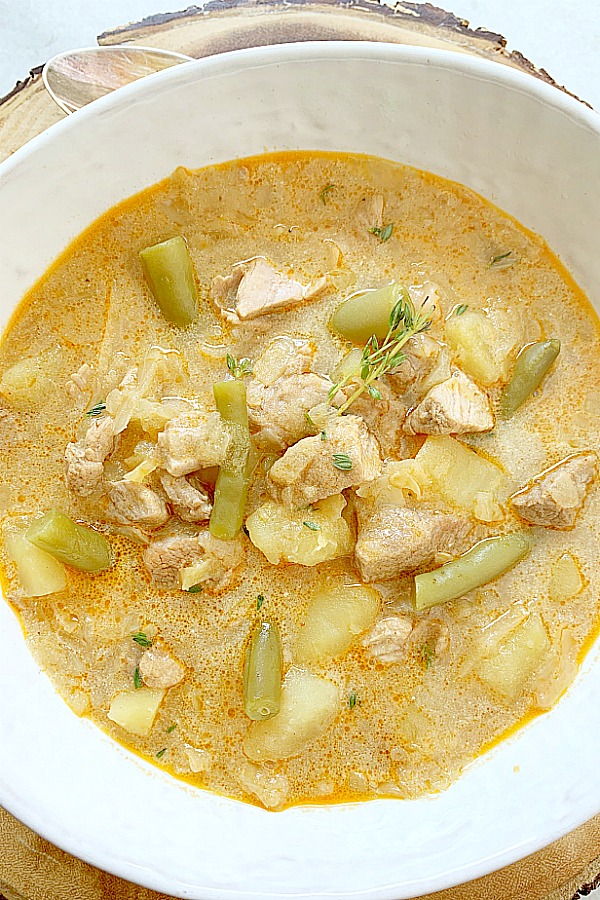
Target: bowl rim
490 69
236 61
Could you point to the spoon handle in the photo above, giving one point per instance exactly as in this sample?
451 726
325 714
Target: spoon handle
77 77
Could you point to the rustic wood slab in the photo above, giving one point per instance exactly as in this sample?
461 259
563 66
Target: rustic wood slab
223 25
30 867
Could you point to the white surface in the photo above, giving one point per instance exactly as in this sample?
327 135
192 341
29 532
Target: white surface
487 126
561 36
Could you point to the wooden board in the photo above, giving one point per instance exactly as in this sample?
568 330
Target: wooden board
30 867
223 25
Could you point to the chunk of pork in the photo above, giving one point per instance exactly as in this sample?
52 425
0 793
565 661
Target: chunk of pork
158 669
166 556
555 496
256 288
384 418
188 502
394 541
455 406
432 633
386 642
136 504
192 441
278 412
316 468
424 357
85 458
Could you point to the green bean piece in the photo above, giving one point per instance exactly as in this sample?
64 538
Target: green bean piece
484 562
170 276
532 365
231 489
367 314
75 545
262 673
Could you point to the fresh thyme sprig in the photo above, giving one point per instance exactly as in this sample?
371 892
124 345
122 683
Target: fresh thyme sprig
239 367
379 359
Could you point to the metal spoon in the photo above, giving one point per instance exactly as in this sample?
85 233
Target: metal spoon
75 78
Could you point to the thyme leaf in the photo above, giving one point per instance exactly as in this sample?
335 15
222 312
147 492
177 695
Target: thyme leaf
426 655
96 410
461 309
353 700
325 193
342 461
171 728
142 639
496 259
385 233
137 679
312 525
161 753
195 589
259 601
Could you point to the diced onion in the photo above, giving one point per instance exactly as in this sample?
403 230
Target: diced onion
198 572
564 491
199 760
485 507
407 475
565 580
558 673
141 471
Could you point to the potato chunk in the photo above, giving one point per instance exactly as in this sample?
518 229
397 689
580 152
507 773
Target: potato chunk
335 618
516 659
136 710
308 707
29 381
39 573
478 345
460 475
308 536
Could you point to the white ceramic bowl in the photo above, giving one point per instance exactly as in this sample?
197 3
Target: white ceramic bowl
531 150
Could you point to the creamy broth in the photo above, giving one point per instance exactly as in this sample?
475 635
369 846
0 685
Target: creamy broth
401 727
